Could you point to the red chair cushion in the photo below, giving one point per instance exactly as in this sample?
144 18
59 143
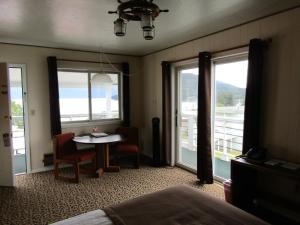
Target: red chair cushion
124 148
80 156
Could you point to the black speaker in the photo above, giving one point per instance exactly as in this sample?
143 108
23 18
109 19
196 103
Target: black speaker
156 141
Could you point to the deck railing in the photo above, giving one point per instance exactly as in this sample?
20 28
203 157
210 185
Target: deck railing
84 117
228 135
18 135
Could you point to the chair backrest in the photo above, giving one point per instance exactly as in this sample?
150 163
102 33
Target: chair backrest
131 134
64 145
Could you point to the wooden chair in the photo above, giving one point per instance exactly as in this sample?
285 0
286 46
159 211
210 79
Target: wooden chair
65 152
130 146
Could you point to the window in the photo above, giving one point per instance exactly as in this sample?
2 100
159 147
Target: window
230 80
89 96
105 96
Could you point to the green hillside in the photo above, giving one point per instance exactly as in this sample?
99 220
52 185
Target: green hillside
227 95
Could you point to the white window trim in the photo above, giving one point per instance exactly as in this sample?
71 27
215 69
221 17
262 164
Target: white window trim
90 121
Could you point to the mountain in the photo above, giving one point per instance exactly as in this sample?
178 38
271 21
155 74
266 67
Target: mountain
224 87
227 94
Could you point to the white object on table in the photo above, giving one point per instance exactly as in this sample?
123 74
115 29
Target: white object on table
291 166
99 134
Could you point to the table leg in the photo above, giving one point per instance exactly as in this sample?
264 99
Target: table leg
106 166
99 160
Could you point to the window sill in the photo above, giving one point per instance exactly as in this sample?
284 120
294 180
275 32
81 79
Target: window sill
90 123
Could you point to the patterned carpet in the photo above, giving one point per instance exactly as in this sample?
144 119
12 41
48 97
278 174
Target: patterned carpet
39 199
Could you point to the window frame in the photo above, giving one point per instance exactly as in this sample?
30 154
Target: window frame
90 120
224 58
183 65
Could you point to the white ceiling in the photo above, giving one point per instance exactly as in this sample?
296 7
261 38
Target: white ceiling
86 25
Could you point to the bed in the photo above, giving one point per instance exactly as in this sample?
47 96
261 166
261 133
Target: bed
179 205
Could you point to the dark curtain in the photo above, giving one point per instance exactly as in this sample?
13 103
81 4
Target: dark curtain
204 160
54 96
253 95
126 95
166 117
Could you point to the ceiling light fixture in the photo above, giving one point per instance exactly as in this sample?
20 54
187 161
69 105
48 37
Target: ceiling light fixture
144 11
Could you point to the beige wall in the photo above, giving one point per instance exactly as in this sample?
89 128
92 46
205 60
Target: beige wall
281 95
281 92
38 93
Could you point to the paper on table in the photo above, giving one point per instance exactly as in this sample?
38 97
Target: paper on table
274 162
291 166
99 134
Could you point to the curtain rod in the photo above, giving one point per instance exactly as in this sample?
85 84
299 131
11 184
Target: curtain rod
219 51
87 61
215 52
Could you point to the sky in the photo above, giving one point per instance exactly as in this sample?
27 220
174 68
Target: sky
234 73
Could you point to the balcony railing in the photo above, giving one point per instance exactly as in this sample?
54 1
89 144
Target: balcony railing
18 135
85 117
228 135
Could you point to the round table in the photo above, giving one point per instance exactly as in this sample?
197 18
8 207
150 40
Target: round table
102 150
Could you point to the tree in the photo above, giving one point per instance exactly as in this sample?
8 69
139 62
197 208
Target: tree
225 99
16 109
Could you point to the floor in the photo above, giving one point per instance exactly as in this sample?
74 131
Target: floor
39 199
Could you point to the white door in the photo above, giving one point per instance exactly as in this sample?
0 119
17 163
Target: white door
6 148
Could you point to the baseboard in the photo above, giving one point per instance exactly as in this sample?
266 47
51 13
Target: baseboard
147 155
43 169
49 168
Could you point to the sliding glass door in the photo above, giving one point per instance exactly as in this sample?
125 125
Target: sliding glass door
230 79
187 95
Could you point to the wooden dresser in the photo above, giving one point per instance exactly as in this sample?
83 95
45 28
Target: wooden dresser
269 192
